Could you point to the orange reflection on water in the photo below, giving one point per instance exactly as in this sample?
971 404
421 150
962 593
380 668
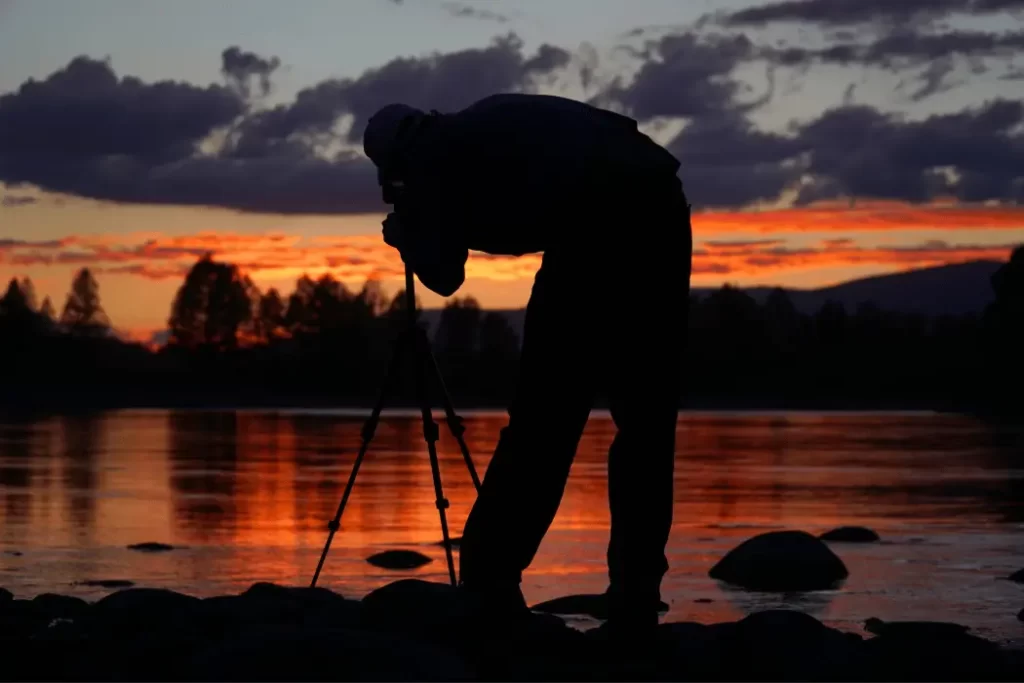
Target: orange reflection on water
246 495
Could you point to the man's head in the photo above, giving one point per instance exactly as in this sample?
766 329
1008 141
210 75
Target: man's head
385 132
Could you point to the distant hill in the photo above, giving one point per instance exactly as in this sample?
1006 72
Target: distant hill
956 289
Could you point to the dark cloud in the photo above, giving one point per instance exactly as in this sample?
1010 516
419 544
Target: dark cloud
85 112
86 132
683 75
850 12
445 82
240 68
458 9
860 152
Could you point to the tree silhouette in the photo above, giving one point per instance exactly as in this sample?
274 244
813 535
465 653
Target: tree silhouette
270 320
28 290
212 307
14 301
47 310
83 313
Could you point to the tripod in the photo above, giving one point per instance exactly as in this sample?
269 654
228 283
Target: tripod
413 339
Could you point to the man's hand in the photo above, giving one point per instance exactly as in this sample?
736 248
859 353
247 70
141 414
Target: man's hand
393 231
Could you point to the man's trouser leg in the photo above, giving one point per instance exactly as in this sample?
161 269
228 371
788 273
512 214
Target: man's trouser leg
644 359
526 478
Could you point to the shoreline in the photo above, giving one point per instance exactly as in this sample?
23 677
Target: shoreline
416 630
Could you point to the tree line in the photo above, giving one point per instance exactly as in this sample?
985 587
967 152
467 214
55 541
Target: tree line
324 343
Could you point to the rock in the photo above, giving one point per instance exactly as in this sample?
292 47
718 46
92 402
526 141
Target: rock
590 604
1017 576
523 648
107 583
60 606
781 561
266 603
151 547
136 610
5 595
281 653
456 541
933 651
399 559
1020 615
13 553
850 534
704 601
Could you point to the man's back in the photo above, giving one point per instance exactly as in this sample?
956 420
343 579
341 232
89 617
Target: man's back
507 160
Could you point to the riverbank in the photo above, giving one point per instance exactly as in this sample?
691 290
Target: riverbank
414 630
99 400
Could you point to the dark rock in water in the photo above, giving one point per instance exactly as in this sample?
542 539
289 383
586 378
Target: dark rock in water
704 601
283 653
6 595
781 561
107 583
456 541
151 547
918 629
1017 576
13 553
590 604
399 559
850 534
1020 615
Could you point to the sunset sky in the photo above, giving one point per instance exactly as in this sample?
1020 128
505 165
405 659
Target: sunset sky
820 140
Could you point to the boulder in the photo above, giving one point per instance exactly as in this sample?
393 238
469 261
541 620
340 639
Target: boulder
784 561
283 653
850 534
934 651
1020 615
151 547
1017 576
399 559
145 610
55 606
266 603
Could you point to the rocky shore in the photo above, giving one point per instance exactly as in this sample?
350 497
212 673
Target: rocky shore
415 630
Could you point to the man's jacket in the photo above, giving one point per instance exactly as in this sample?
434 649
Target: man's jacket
514 174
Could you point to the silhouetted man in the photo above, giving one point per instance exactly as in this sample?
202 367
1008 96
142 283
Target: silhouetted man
514 174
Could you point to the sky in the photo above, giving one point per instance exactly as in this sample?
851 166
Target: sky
819 140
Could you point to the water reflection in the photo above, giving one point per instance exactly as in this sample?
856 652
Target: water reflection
248 493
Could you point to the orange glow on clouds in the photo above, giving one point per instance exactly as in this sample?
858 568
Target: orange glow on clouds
807 247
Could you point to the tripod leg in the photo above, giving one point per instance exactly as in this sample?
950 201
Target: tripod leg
369 429
451 417
431 434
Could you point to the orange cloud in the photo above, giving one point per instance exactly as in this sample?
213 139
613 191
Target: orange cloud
354 258
860 217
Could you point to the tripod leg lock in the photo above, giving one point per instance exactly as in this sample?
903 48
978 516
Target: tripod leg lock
369 429
430 431
442 503
456 426
333 525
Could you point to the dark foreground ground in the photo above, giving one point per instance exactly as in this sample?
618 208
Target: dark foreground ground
412 630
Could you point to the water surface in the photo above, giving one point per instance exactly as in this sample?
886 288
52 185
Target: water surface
247 495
